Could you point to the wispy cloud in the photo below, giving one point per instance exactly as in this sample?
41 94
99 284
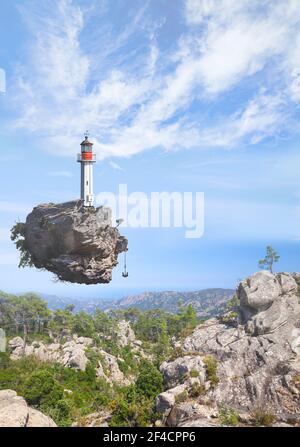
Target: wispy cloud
116 166
239 59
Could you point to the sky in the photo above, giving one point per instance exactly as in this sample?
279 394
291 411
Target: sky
181 95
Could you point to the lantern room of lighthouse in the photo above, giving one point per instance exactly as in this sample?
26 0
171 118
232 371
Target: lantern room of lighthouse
87 158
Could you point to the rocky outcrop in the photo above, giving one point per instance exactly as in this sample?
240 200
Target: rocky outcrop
125 334
76 243
126 337
70 354
14 412
182 368
108 368
250 364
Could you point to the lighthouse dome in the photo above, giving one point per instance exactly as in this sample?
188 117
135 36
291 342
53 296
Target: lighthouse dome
86 142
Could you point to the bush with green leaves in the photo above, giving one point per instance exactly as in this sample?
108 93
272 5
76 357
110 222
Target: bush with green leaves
211 366
18 237
263 417
149 382
228 416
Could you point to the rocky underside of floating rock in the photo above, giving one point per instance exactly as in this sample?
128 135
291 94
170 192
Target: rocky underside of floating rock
78 244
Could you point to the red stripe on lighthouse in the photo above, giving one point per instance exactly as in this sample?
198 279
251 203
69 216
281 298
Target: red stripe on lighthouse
87 156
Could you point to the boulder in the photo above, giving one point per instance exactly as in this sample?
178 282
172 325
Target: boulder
287 283
166 400
187 411
38 419
13 409
176 371
109 369
70 354
16 342
77 359
125 333
76 243
14 412
259 291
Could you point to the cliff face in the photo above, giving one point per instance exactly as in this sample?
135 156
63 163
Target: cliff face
246 368
76 243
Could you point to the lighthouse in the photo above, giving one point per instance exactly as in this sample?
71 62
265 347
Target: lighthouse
87 158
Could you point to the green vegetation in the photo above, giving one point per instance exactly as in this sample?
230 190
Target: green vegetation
270 259
263 417
228 416
17 236
68 395
182 397
196 390
211 365
233 303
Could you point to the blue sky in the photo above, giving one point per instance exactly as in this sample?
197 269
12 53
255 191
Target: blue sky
182 95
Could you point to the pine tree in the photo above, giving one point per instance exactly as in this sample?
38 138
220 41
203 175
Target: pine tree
270 258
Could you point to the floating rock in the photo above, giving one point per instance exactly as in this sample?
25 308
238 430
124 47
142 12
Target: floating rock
78 244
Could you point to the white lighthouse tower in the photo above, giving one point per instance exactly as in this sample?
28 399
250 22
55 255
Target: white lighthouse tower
87 158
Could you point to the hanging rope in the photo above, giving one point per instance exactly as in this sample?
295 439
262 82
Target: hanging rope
125 272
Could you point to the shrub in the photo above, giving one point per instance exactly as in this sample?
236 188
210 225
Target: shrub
149 382
228 416
263 417
40 388
211 365
182 397
194 373
233 303
18 237
133 414
196 390
61 413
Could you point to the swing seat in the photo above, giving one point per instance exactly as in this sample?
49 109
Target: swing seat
125 275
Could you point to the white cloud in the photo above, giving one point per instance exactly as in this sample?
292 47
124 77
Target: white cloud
145 100
258 120
116 166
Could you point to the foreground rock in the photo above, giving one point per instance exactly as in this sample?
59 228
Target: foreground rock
248 368
14 412
76 243
72 354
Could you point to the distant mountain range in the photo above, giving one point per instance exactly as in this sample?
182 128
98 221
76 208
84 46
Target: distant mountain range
207 302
